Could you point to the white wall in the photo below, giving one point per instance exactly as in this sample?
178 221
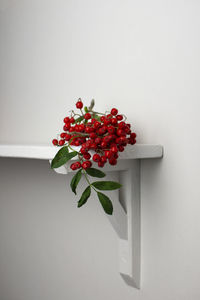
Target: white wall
142 57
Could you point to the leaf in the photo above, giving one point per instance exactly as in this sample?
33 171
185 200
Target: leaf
62 157
59 155
86 109
106 203
75 181
85 196
79 119
95 173
106 185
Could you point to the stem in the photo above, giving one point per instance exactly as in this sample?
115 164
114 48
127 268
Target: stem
97 113
88 181
80 133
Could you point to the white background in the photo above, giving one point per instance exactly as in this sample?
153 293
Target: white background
143 58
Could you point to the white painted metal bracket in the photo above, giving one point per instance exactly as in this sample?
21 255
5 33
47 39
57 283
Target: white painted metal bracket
126 210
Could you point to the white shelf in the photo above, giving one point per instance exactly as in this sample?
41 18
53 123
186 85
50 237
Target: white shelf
138 151
125 222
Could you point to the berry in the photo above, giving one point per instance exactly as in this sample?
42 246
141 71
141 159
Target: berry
133 135
103 159
72 120
66 126
102 119
111 129
62 135
112 161
114 121
93 135
86 164
87 116
66 120
78 164
73 166
119 117
121 125
121 148
108 153
114 111
55 142
98 140
114 149
96 157
67 137
61 142
79 104
121 132
87 155
101 164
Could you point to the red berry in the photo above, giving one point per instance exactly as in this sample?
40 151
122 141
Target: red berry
102 118
79 104
114 111
98 140
121 132
119 117
67 137
66 126
103 144
93 135
111 129
78 164
66 120
107 121
109 116
55 142
86 164
72 120
93 146
121 125
73 166
77 143
87 155
87 116
61 142
62 135
97 124
83 150
133 135
114 121
101 164
103 159
114 149
96 157
107 139
121 148
108 153
112 161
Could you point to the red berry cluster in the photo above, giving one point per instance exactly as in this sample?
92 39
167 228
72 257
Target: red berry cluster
105 134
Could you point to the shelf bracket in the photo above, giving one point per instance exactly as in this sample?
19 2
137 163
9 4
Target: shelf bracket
126 222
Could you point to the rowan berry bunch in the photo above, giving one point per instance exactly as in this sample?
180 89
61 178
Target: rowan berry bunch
100 137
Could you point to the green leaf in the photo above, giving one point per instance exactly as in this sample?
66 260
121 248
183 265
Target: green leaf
78 119
85 196
106 185
95 173
106 203
75 181
62 157
86 109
